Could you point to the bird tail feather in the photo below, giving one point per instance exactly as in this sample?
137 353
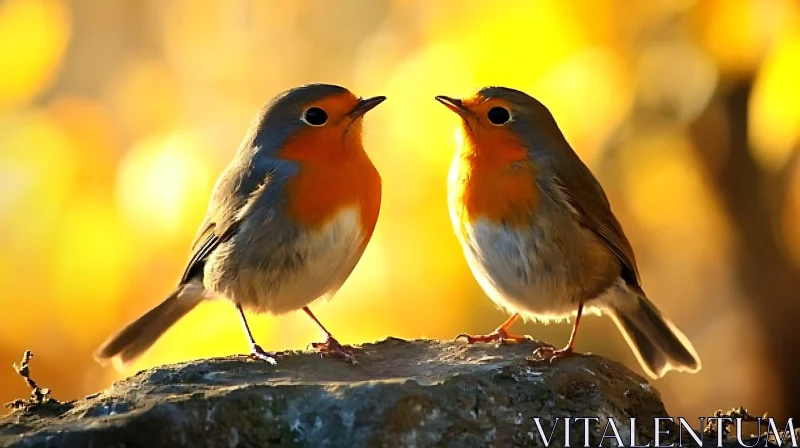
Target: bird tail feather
129 343
658 344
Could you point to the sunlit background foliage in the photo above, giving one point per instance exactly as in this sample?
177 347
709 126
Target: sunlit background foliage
117 116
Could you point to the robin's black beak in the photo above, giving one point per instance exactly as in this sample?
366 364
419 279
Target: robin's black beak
453 104
365 105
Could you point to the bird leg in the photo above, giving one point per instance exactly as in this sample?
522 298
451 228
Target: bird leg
548 353
500 334
256 352
331 346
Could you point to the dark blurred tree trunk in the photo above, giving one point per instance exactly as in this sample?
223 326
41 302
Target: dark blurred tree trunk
754 199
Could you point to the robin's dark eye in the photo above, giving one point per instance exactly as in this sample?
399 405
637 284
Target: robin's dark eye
499 115
315 116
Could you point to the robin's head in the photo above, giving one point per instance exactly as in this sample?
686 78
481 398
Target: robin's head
503 119
314 121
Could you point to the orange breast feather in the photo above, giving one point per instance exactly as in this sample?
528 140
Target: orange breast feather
495 180
330 180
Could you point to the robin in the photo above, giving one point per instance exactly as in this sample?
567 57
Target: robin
539 235
288 220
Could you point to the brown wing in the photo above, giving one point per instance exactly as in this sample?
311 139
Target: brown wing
205 242
237 194
222 208
589 200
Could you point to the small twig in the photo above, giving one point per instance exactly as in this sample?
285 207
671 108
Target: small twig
712 430
39 395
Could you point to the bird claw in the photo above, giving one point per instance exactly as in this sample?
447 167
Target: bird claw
550 353
332 347
258 353
501 336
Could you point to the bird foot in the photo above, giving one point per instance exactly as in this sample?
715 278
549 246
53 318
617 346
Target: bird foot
500 335
258 353
550 353
332 347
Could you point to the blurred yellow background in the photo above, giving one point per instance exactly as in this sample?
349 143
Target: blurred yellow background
117 116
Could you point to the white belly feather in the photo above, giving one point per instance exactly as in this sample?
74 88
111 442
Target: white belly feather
329 256
510 272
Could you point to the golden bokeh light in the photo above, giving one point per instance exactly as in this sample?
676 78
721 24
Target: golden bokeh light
132 94
661 165
33 38
774 116
161 186
587 94
89 126
90 266
435 70
738 33
38 168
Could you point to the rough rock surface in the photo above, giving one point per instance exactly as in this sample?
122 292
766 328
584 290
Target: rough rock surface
401 393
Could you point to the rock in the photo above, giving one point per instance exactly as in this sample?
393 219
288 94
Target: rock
401 393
